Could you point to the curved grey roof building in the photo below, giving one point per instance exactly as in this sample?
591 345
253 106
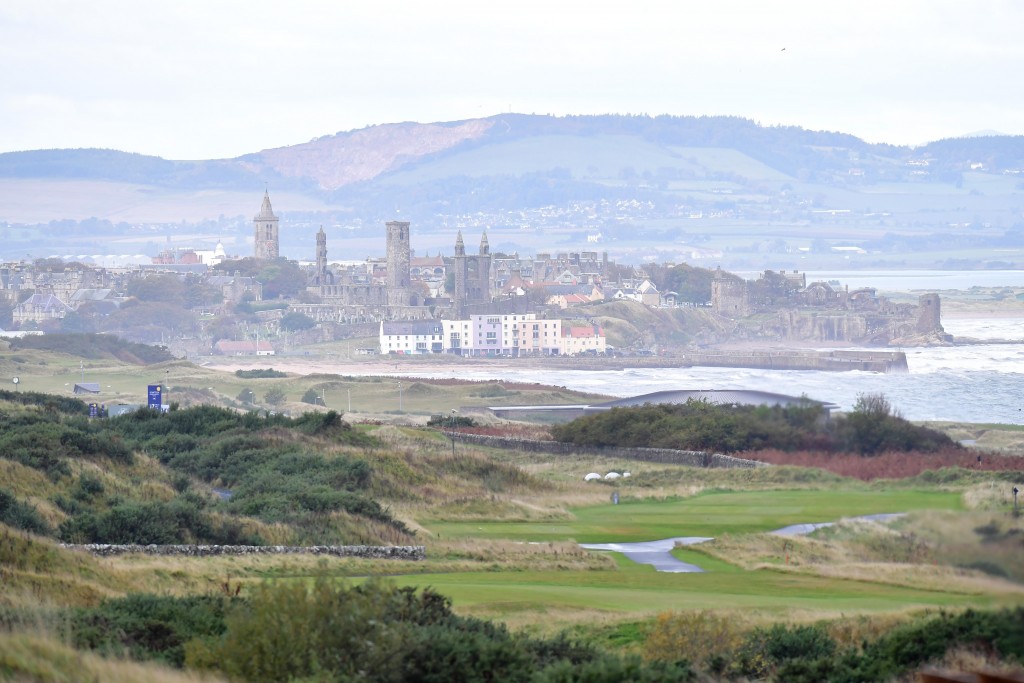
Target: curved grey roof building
741 397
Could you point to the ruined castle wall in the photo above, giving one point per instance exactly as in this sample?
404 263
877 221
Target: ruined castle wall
929 314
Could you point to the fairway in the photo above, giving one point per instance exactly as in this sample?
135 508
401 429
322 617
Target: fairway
706 514
637 591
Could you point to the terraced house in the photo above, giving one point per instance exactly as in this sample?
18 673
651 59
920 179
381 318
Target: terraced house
511 335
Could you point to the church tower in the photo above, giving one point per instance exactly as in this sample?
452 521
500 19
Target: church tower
399 248
472 278
322 255
266 241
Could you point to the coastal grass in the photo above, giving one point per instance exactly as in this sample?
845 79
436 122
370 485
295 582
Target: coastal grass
42 656
710 513
188 384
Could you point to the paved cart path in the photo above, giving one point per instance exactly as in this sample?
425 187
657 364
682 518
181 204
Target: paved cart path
658 554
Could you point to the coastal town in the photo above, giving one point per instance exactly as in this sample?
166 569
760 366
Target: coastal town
472 302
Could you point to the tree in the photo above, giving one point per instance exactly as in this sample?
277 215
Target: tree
160 287
279 277
275 396
295 321
312 398
76 322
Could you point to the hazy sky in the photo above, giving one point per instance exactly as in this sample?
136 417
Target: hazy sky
203 79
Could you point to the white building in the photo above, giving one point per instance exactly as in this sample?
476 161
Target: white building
588 339
519 334
412 336
458 337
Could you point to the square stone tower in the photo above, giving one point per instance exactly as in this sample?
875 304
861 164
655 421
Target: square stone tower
398 256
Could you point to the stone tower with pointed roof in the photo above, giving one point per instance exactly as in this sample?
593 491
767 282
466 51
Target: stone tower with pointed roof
472 279
323 275
266 243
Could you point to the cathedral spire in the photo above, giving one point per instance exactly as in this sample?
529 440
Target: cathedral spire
266 211
266 231
460 246
485 247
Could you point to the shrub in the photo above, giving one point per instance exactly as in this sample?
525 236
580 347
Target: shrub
260 373
447 421
179 521
869 429
874 427
312 397
698 637
765 649
246 395
20 515
94 346
329 631
148 627
294 321
275 396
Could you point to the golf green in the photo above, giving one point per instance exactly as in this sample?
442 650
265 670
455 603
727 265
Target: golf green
706 514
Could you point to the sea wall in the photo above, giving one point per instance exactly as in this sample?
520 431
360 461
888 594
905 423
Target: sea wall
370 552
662 455
777 359
866 361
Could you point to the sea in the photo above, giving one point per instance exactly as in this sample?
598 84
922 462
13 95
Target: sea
978 383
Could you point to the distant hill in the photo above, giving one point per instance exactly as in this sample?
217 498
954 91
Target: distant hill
711 187
578 148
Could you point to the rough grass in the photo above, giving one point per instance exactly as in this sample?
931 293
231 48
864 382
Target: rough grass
893 465
43 658
938 550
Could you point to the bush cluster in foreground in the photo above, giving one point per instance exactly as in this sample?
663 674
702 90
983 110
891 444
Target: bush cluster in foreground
811 653
272 468
331 631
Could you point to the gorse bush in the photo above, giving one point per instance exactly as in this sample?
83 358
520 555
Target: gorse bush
49 402
260 373
182 520
704 426
148 627
377 632
808 653
277 469
19 515
703 637
94 346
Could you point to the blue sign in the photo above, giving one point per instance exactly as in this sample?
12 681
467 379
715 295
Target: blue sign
156 397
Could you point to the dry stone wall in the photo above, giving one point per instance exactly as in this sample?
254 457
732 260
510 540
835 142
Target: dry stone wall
663 455
370 552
